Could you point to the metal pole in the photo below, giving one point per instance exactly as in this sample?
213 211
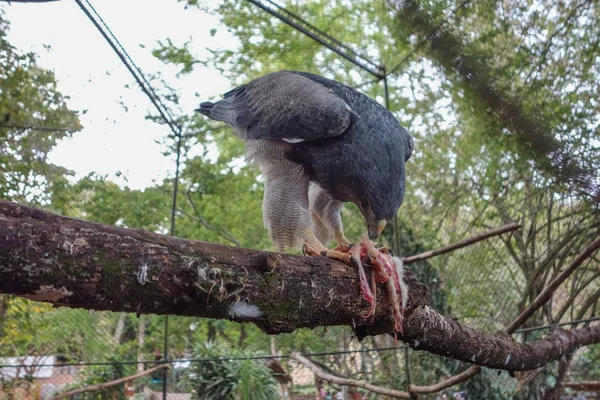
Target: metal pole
387 95
165 355
396 234
407 368
175 185
172 233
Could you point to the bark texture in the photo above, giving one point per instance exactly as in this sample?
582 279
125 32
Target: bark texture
68 262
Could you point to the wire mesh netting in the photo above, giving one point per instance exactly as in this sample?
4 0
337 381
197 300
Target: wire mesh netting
45 377
46 352
70 348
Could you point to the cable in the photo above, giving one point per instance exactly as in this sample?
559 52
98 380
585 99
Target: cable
148 85
347 48
426 38
366 83
191 360
172 230
131 66
324 39
539 328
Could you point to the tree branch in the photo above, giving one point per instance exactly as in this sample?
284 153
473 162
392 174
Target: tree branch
552 253
473 371
463 243
453 380
549 43
347 381
108 384
334 377
589 303
573 296
68 262
552 286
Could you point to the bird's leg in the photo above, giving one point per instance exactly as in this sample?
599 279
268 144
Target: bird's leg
313 247
344 244
327 220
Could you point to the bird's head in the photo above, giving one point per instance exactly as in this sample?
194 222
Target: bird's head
376 222
383 193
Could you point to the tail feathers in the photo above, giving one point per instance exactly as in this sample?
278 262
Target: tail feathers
205 108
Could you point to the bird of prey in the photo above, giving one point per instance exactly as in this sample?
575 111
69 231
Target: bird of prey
319 144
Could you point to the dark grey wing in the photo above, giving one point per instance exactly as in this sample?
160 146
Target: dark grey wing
283 105
232 109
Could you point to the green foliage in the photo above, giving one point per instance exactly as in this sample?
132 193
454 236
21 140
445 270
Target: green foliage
33 328
532 133
229 379
169 53
589 363
95 198
96 374
29 98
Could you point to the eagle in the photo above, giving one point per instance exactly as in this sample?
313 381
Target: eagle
319 144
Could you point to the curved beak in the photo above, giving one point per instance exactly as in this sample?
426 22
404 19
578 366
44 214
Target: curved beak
375 231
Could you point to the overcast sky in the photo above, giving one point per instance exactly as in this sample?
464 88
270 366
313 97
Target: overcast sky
90 73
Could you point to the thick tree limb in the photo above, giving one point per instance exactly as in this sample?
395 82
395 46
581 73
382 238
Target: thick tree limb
348 381
46 257
105 385
463 243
